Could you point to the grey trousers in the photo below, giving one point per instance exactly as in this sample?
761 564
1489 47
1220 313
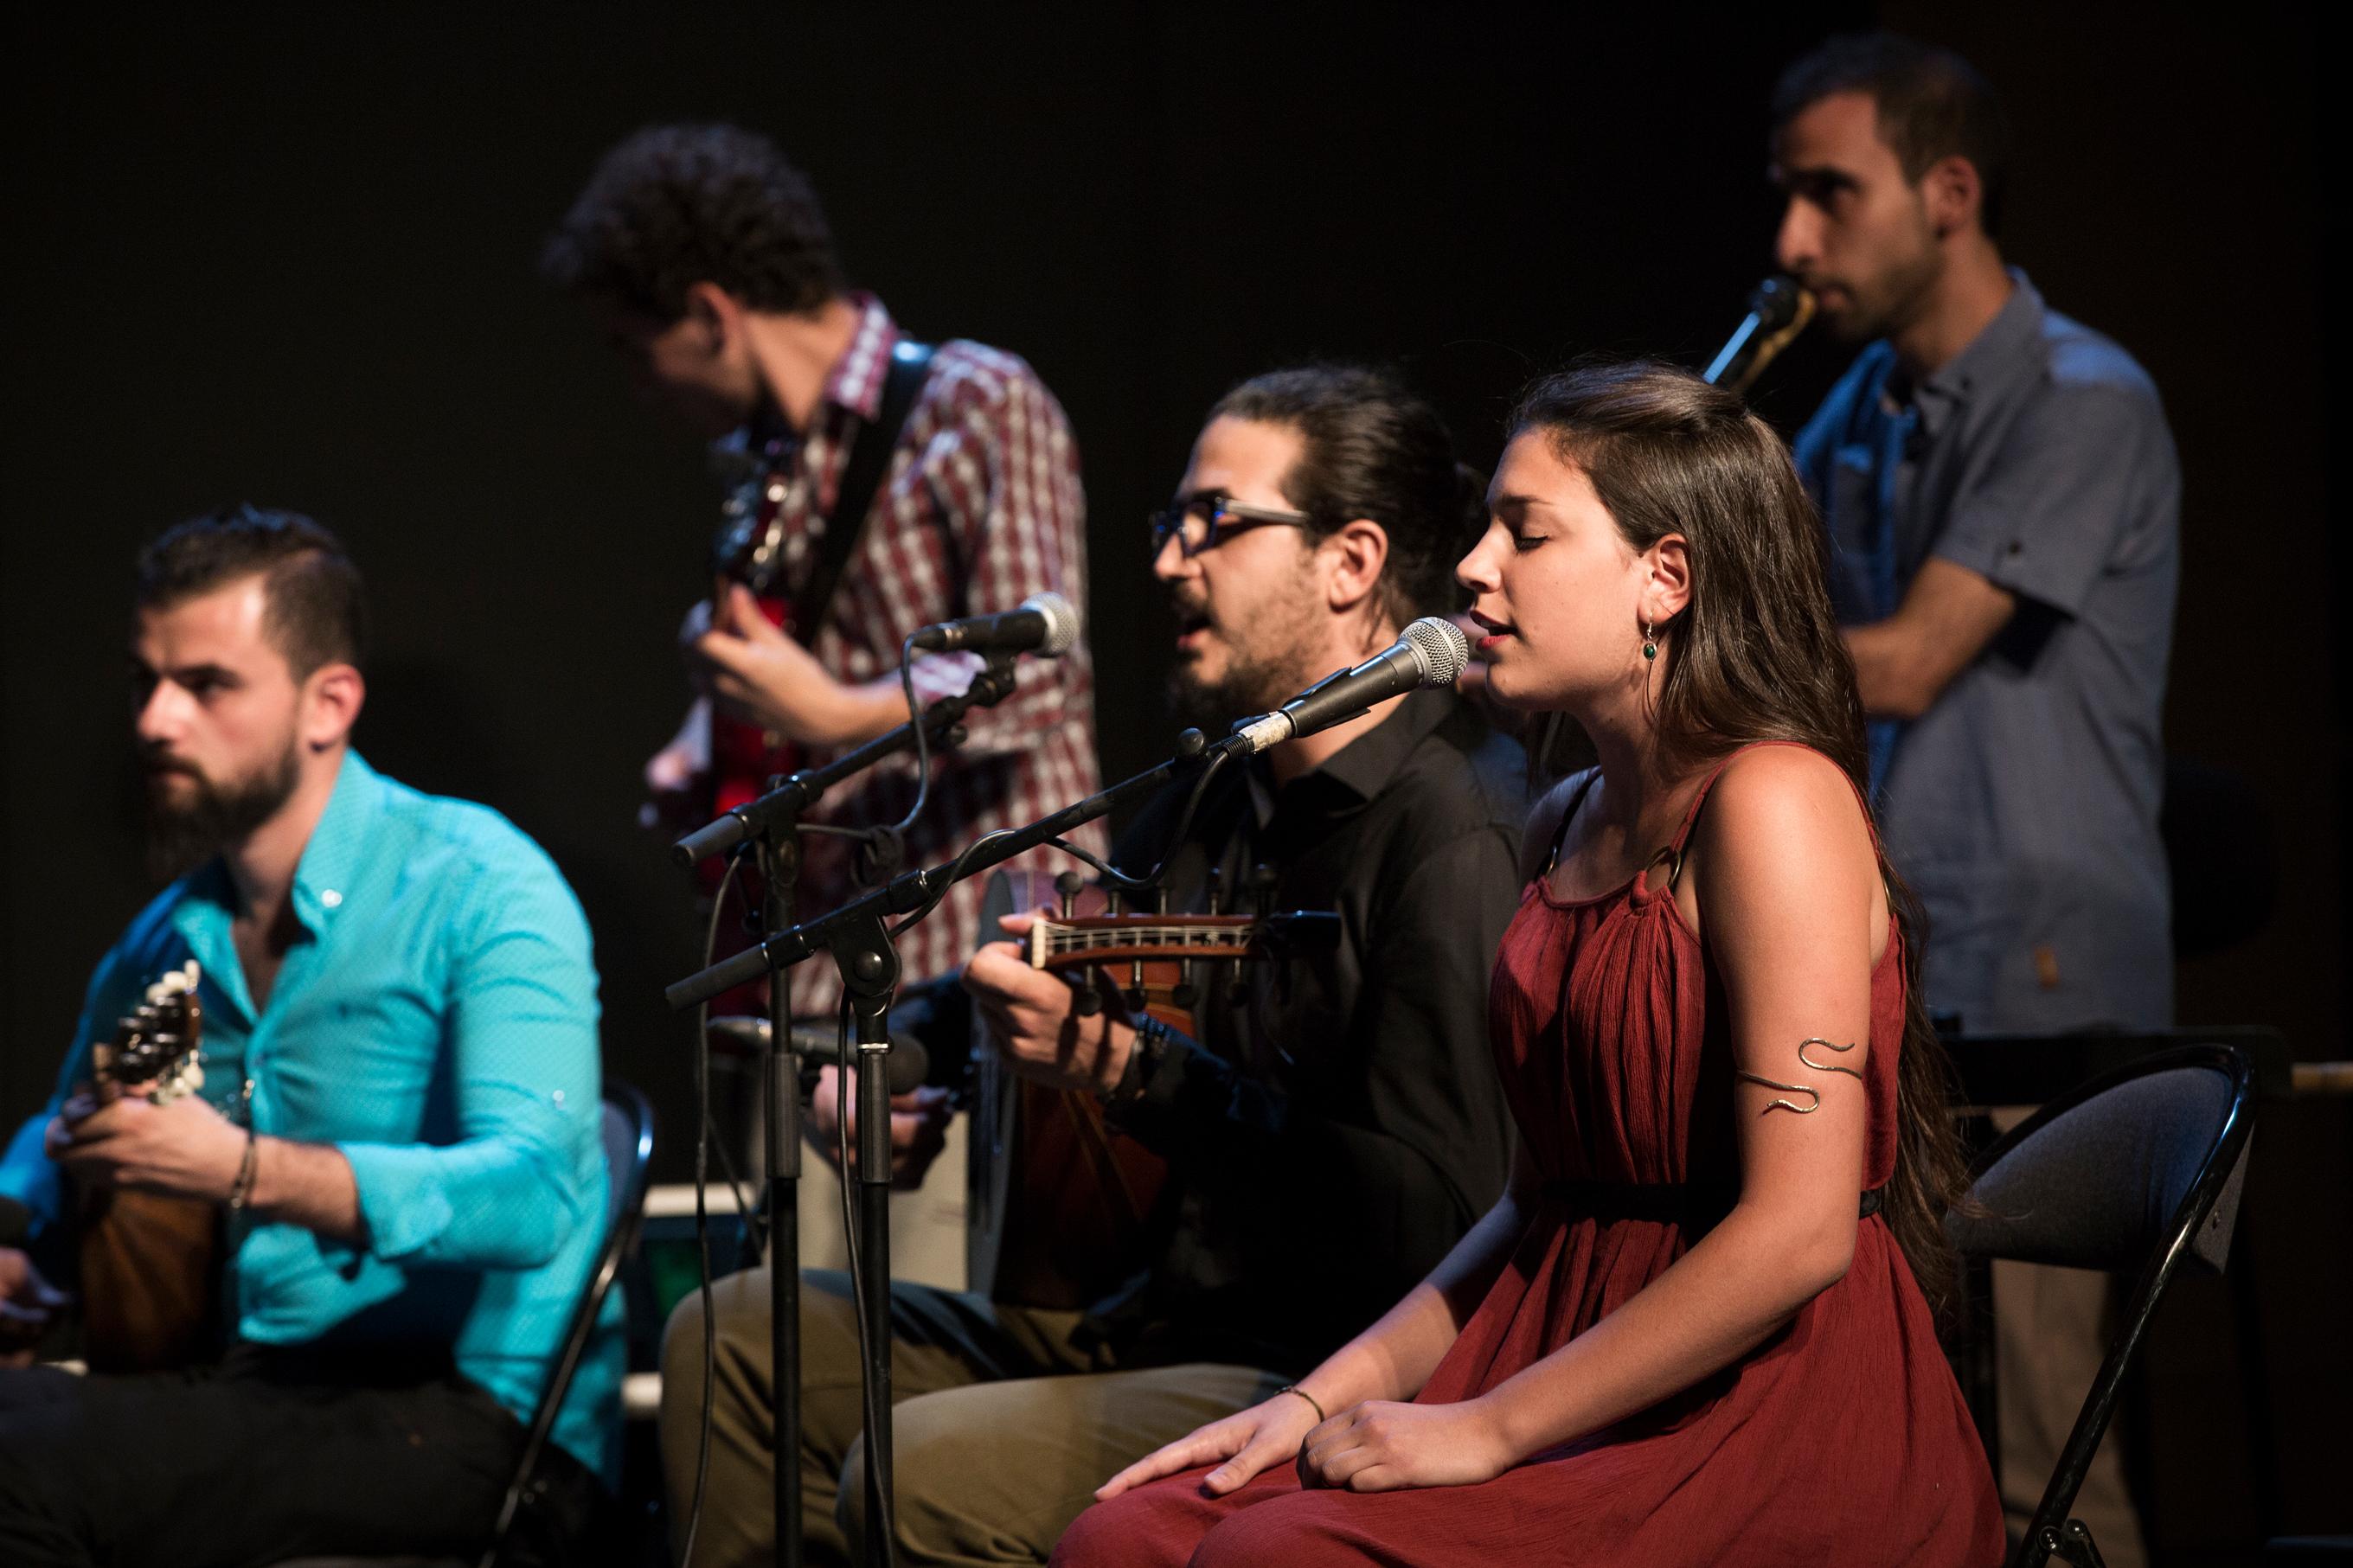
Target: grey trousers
1004 1423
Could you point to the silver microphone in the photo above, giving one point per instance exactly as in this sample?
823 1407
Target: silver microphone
1430 652
1044 623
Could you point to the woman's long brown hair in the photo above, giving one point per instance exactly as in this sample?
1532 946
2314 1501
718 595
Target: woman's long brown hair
1755 656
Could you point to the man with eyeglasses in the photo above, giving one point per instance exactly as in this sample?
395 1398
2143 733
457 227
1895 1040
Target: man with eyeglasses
1335 1127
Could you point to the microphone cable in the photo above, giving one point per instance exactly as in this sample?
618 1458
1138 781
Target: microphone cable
922 738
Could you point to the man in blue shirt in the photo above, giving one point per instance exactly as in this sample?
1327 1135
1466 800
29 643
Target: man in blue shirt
2002 499
398 1117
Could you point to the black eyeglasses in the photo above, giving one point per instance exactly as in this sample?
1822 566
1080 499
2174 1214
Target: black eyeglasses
1206 520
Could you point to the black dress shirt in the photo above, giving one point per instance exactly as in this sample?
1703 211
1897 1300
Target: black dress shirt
1338 1125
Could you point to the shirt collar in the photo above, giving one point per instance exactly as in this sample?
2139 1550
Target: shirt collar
1364 766
855 383
1999 350
207 904
331 860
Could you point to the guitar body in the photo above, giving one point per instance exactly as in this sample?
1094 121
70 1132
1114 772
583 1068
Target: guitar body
1063 1204
149 1262
748 551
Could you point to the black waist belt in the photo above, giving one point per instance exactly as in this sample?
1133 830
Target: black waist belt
1669 1203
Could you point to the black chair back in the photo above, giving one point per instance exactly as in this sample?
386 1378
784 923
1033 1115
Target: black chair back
2133 1173
629 1138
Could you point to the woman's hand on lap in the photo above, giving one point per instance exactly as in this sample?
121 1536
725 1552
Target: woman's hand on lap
1380 1446
1250 1441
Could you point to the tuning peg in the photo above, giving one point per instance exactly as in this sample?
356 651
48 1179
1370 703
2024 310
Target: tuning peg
1068 885
1087 1001
1262 879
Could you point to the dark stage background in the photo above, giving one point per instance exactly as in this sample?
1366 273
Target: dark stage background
287 255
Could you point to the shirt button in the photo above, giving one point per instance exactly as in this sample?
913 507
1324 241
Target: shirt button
559 1097
330 898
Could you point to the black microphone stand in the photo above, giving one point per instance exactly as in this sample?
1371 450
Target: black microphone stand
860 944
772 825
921 890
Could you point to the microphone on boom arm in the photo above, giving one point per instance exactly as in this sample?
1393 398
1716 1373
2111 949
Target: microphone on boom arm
1431 652
1044 623
905 1066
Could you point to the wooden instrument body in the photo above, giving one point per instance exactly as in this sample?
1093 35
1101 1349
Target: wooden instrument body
1065 1208
149 1263
150 1267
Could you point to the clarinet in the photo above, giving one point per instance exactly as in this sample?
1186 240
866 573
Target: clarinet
1778 311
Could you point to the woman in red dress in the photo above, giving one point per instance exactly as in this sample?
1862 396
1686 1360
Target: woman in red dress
1694 1331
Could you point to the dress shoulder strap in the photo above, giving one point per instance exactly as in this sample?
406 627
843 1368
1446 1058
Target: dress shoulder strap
1706 786
1560 834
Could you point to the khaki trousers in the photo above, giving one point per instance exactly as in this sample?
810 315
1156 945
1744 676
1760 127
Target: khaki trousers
1004 1423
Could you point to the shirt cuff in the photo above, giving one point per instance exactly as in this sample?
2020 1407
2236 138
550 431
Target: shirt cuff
401 1197
2003 557
1182 1078
939 675
29 1179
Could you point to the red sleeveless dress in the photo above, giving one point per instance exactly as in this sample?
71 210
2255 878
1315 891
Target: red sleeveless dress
1843 1438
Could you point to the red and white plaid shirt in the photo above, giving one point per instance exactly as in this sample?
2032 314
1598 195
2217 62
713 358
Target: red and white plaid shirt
981 508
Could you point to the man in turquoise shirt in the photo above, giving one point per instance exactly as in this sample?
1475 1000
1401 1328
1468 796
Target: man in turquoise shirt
398 1117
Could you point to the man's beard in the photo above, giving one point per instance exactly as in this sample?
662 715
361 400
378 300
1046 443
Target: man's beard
1892 302
186 830
1257 680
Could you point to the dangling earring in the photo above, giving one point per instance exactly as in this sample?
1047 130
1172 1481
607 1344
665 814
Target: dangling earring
1650 639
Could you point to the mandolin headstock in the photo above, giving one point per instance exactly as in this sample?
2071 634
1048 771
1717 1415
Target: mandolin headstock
156 1045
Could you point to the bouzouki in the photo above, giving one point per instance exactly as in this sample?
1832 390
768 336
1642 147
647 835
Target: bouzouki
1064 1206
149 1262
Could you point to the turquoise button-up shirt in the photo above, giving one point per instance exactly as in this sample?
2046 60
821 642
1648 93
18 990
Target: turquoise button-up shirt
438 1025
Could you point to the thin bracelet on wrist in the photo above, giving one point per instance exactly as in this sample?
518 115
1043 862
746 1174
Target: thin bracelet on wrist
1312 1401
240 1192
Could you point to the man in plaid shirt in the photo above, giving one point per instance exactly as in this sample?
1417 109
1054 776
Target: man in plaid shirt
706 259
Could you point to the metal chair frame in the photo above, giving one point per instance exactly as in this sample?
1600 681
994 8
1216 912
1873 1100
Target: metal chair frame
625 1203
2051 1533
626 1206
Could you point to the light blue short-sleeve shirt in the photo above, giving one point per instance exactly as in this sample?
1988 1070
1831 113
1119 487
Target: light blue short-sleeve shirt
438 1025
2022 807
